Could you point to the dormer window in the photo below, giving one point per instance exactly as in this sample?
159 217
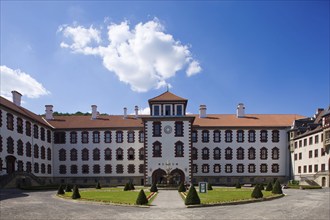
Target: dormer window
156 110
167 110
179 111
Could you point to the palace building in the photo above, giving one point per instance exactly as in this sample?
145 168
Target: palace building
218 148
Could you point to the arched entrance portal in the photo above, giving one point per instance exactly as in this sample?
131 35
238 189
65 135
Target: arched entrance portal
158 176
10 162
177 176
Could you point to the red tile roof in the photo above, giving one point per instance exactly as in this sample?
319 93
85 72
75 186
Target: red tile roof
167 96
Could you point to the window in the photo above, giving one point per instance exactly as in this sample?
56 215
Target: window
310 140
84 154
316 139
167 110
20 147
28 167
141 153
20 166
310 154
119 136
59 137
96 154
131 168
299 169
305 142
275 153
216 136
179 110
1 143
42 133
228 153
263 136
240 168
35 131
316 168
305 169
323 167
28 149
96 137
275 168
141 168
194 153
107 154
217 168
216 153
295 156
28 128
194 168
73 137
228 136
156 110
74 169
10 121
178 128
295 144
42 152
194 136
36 151
49 138
316 153
96 168
119 168
119 154
300 143
252 168
300 156
130 154
263 168
322 152
84 137
240 136
263 153
252 136
240 153
73 154
62 154
1 126
179 149
62 169
141 136
20 125
310 168
275 136
252 153
85 169
205 168
205 153
228 168
130 137
107 137
43 168
49 169
108 168
36 168
157 149
157 132
205 136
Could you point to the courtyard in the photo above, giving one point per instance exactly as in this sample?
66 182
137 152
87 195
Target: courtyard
297 204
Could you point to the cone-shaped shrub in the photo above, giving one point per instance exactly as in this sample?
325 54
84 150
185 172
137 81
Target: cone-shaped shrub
68 188
261 186
98 185
75 194
126 188
277 188
153 188
269 186
131 186
256 193
238 185
141 199
192 197
181 188
209 186
60 190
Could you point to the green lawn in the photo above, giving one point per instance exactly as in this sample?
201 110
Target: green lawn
230 194
112 195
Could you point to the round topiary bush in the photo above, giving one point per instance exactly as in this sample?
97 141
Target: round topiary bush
68 188
127 187
192 197
238 185
209 186
269 186
277 189
181 187
131 186
75 194
256 193
141 199
153 188
98 185
261 186
60 190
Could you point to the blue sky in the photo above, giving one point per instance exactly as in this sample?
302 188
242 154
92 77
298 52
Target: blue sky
271 55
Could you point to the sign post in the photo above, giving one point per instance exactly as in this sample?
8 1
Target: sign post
202 187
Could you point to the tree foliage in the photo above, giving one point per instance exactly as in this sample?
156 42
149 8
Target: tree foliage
142 198
75 194
277 189
60 190
154 188
256 193
269 186
192 197
182 188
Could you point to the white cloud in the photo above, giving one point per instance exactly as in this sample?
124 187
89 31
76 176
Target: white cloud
21 82
144 111
143 56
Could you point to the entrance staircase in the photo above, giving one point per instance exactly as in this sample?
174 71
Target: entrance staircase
18 179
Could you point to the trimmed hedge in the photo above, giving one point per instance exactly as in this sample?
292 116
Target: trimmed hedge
131 186
256 193
192 197
141 199
98 185
269 186
277 189
209 186
75 194
261 186
68 188
153 188
126 188
238 185
181 188
60 190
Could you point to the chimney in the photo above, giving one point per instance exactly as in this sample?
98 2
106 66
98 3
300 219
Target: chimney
136 111
16 98
240 112
94 112
202 111
49 112
125 113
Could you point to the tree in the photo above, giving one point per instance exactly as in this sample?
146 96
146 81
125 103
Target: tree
261 186
238 185
192 197
209 186
98 185
60 190
269 186
126 188
181 188
277 188
131 186
141 199
75 194
153 188
68 188
256 193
